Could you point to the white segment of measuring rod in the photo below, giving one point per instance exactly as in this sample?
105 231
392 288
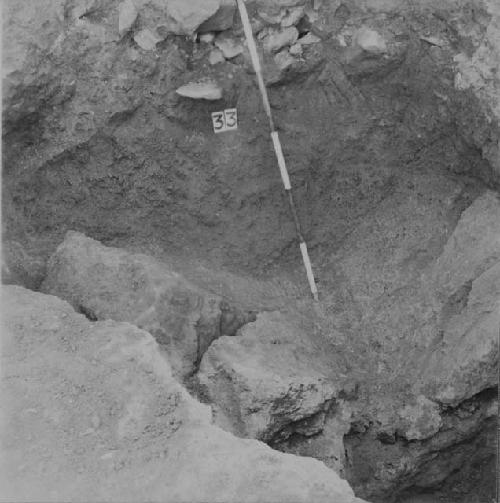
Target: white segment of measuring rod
247 28
281 160
309 271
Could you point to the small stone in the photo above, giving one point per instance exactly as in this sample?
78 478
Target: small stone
370 41
126 17
229 47
309 39
284 60
271 18
293 17
201 90
277 39
146 40
207 38
215 57
296 50
433 41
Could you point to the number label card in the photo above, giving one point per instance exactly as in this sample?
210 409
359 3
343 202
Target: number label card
225 121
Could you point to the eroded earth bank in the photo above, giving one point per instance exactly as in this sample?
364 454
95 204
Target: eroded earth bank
158 327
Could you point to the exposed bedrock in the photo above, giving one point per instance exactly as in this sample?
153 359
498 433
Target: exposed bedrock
92 412
392 414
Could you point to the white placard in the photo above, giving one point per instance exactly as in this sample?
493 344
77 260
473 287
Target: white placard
231 115
226 120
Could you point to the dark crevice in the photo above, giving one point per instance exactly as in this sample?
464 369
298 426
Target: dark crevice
88 313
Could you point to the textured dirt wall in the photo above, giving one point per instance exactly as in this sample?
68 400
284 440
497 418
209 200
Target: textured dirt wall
97 140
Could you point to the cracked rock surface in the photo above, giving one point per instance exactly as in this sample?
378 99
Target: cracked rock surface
104 282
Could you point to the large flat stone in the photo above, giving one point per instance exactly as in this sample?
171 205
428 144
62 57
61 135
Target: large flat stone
270 381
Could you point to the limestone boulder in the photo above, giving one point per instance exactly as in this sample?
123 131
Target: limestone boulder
105 282
473 247
467 280
268 382
466 361
91 412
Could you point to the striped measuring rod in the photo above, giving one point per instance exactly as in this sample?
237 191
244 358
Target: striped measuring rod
277 144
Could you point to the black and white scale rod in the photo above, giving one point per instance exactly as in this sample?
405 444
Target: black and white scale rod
277 144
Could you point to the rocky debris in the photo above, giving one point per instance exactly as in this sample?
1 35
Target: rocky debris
105 282
177 16
264 383
207 90
91 412
146 40
370 41
275 39
127 16
389 465
229 47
